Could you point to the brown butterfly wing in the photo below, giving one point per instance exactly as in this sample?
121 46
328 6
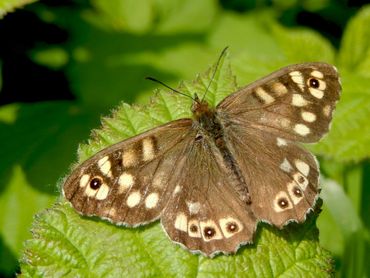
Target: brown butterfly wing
185 183
262 123
205 214
282 178
294 103
129 182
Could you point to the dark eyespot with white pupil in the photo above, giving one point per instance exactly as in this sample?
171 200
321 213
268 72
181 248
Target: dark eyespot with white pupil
95 183
232 227
283 202
297 192
314 83
209 232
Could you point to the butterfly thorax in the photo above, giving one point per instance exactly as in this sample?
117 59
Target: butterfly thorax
207 120
209 125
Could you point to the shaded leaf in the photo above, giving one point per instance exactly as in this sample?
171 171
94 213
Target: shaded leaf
349 136
354 54
37 145
67 244
7 6
302 45
18 204
38 136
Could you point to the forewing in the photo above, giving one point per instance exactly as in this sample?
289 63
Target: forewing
295 102
205 213
129 182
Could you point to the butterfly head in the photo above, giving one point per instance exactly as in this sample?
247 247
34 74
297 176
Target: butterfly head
200 108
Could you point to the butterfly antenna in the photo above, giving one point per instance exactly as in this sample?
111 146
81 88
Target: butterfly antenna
214 72
168 87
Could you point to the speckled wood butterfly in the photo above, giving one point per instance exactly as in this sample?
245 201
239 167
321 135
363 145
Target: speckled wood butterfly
211 179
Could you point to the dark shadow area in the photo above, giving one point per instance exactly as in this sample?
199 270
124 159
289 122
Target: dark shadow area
23 80
9 264
43 141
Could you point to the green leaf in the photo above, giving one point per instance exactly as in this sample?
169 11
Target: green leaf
341 207
130 15
38 142
302 45
7 6
354 54
177 16
8 113
273 46
161 16
67 244
19 201
32 140
344 213
349 137
54 58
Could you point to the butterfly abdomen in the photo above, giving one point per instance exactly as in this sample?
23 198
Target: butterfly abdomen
209 122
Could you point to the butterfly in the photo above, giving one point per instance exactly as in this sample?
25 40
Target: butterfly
212 178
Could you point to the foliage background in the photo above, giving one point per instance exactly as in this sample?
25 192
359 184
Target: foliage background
63 64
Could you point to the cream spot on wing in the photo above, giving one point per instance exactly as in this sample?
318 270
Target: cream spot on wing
298 100
286 166
103 160
129 158
125 181
105 166
84 180
327 110
177 189
102 192
317 74
301 180
230 226
193 228
133 199
281 202
301 129
281 142
279 88
210 231
90 192
193 207
152 200
295 192
308 116
302 167
262 94
322 85
316 93
181 222
297 78
148 149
